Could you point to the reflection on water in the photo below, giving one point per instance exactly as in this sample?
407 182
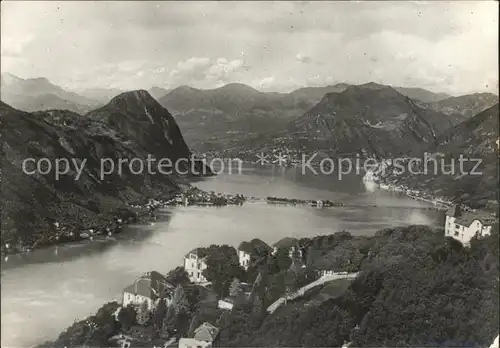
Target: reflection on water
46 290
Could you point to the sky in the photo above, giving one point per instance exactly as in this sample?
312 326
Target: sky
273 46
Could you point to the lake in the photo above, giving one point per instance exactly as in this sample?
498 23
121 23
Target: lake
45 291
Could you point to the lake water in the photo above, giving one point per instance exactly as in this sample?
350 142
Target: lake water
45 291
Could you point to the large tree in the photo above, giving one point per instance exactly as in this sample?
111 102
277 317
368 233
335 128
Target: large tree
158 316
126 317
282 259
222 267
178 276
235 289
180 302
143 314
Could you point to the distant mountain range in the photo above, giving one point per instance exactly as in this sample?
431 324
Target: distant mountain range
132 125
217 118
422 94
101 95
465 105
233 111
40 94
342 119
475 140
158 92
369 119
214 119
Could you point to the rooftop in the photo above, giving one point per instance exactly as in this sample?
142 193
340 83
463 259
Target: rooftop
152 285
246 247
253 246
454 211
229 299
206 332
260 244
200 252
467 218
286 242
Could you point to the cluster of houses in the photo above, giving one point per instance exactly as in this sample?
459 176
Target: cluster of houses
152 286
464 225
199 197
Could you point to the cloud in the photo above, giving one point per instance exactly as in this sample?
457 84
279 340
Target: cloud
263 83
303 59
205 44
14 47
222 68
198 70
191 66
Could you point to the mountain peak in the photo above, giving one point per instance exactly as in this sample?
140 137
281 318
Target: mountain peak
8 78
373 88
184 89
239 87
373 85
158 92
40 79
341 85
136 97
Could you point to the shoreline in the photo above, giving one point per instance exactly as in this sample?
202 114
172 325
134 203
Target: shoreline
185 195
441 203
142 216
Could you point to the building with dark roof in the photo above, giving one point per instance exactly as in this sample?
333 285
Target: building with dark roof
286 243
463 226
206 332
204 337
246 247
255 247
148 288
289 243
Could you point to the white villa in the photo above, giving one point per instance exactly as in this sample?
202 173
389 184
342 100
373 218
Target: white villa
244 254
226 303
148 288
194 264
204 336
255 247
464 225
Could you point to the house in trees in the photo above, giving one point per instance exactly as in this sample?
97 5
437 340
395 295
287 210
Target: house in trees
464 225
226 303
255 247
204 337
245 251
291 244
238 293
148 289
195 264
